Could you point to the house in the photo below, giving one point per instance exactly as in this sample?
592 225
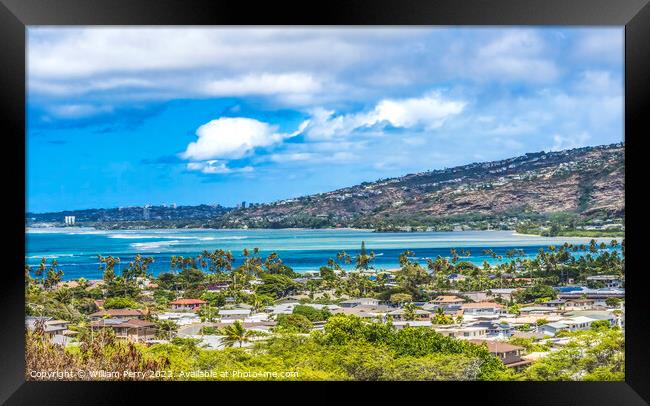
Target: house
554 304
482 309
364 301
509 354
579 304
51 327
181 318
537 310
217 287
187 304
132 329
496 329
419 314
447 300
122 314
456 277
448 309
504 293
400 324
234 314
552 328
578 323
467 333
371 312
607 281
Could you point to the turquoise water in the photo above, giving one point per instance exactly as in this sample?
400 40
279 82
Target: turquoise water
76 249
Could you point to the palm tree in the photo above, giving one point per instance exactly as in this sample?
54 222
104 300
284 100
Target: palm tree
236 333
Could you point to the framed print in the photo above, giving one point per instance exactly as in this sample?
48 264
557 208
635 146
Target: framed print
366 194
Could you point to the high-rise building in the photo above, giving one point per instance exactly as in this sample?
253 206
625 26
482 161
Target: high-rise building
69 220
145 212
243 204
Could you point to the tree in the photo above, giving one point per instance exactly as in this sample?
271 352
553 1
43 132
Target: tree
311 313
535 292
293 323
166 328
120 303
236 333
363 260
54 276
399 298
276 286
439 317
108 264
409 311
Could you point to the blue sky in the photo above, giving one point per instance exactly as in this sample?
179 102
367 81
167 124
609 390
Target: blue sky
135 116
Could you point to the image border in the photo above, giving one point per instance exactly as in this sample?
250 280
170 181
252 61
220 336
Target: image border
17 15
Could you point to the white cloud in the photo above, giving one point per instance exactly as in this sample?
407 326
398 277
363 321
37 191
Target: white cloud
599 82
429 111
515 55
72 111
263 84
232 138
603 45
215 167
570 141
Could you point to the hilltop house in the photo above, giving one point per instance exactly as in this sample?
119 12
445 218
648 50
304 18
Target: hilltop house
466 333
482 309
234 314
364 301
444 301
133 329
509 354
187 304
51 327
120 314
579 304
607 281
418 313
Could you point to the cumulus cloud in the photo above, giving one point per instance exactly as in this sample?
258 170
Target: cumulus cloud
232 138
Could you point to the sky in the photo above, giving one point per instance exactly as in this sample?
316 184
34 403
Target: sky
128 116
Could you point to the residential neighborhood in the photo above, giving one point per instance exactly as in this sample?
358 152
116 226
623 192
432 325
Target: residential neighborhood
521 325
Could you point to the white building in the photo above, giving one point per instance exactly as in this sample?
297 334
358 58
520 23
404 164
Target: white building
69 220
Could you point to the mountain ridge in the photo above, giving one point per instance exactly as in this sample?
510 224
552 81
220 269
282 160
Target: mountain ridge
587 183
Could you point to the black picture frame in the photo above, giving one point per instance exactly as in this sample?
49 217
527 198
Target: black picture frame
16 15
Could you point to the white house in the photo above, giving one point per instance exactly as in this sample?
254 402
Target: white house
234 314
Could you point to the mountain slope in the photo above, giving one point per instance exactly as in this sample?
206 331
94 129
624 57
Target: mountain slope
586 181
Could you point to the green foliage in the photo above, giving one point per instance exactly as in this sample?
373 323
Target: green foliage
398 298
532 293
311 313
293 323
600 324
589 355
276 286
120 303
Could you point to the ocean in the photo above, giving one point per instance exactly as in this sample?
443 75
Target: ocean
76 248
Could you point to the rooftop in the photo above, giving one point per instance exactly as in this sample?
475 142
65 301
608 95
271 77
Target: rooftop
187 302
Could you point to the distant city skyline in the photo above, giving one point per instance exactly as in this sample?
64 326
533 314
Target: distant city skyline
135 116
